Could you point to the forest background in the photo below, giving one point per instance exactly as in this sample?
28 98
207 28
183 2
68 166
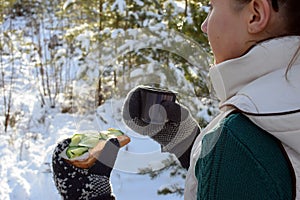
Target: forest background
52 63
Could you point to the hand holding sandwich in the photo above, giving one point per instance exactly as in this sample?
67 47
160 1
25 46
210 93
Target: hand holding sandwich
88 178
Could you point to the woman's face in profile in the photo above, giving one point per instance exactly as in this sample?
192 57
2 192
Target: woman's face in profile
226 28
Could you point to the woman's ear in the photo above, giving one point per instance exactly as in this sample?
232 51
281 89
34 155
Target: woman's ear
260 12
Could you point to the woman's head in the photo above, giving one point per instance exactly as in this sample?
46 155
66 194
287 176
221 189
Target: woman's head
234 26
289 10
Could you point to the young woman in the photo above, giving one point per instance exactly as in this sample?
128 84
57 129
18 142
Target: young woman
255 151
250 150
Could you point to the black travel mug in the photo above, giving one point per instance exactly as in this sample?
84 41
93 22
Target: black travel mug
151 99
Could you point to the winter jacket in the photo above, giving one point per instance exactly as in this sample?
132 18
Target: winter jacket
258 85
237 162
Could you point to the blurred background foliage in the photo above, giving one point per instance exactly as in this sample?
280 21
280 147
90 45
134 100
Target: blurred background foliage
53 39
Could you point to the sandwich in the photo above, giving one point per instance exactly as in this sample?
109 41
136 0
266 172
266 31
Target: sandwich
85 148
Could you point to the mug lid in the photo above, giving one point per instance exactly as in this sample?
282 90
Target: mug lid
157 89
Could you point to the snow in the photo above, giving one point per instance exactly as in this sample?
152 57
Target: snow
26 148
138 2
68 3
25 167
119 5
25 151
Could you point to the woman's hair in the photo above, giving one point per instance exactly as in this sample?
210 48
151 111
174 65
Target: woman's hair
290 10
292 15
292 20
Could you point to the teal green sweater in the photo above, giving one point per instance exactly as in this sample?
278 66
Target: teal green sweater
240 161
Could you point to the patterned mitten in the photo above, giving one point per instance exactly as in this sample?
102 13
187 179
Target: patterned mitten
93 183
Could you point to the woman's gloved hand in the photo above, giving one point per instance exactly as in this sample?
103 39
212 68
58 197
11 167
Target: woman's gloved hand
175 136
93 183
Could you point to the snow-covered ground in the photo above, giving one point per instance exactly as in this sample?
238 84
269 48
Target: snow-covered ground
26 150
25 167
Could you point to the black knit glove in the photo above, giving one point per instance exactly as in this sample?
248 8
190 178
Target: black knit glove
90 184
175 136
